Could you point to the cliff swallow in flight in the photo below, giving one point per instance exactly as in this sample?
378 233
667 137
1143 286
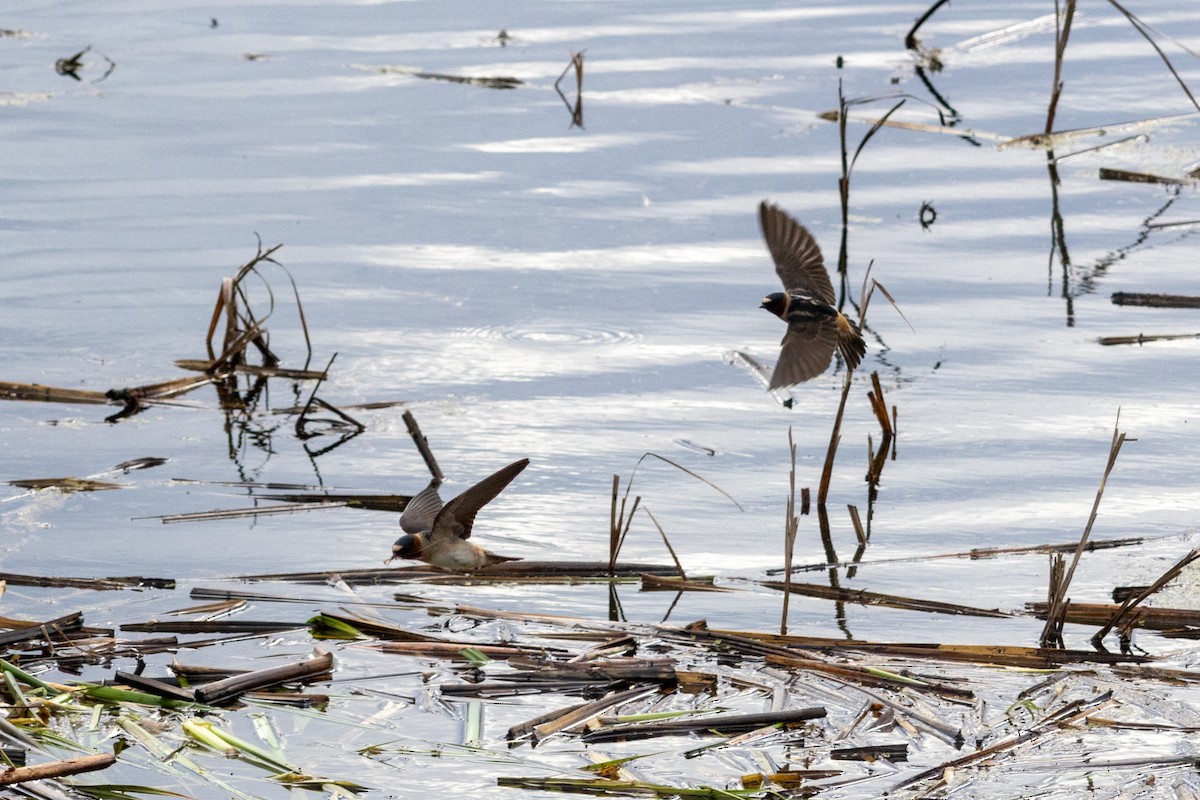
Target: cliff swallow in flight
815 327
438 534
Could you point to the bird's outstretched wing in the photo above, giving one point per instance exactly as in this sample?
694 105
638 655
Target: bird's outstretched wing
458 516
419 515
797 257
807 350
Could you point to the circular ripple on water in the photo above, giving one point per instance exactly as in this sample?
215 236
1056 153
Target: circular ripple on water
550 336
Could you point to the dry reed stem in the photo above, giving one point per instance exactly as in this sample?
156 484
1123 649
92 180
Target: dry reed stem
1062 25
57 769
857 523
667 542
1057 596
879 405
791 525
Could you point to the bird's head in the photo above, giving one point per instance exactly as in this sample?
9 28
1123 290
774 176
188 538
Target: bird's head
407 546
775 303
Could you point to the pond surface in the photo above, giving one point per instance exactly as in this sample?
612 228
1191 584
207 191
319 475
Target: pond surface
532 287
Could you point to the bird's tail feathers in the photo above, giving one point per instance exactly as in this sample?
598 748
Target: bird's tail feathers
850 342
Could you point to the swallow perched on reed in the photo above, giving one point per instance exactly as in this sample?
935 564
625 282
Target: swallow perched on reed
438 534
815 327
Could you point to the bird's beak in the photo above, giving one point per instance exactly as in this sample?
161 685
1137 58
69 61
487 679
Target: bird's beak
764 302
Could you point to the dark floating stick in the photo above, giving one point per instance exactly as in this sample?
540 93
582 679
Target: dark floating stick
100 584
1155 300
715 724
1107 174
50 629
155 686
212 626
229 688
892 752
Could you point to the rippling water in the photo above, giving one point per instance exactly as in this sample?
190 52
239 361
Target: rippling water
529 287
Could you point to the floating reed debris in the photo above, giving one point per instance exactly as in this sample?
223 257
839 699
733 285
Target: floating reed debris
212 626
713 724
919 127
1065 715
487 82
49 630
1119 619
979 553
1143 338
1175 620
1107 174
65 485
95 584
315 668
49 394
56 769
1152 300
867 598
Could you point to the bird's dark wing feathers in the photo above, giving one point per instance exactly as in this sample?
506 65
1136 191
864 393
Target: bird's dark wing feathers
422 510
797 257
807 350
458 516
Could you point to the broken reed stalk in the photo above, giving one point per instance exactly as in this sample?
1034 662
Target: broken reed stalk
856 521
242 327
619 523
834 437
414 430
1062 32
1144 30
1057 597
1118 619
791 525
879 406
667 542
